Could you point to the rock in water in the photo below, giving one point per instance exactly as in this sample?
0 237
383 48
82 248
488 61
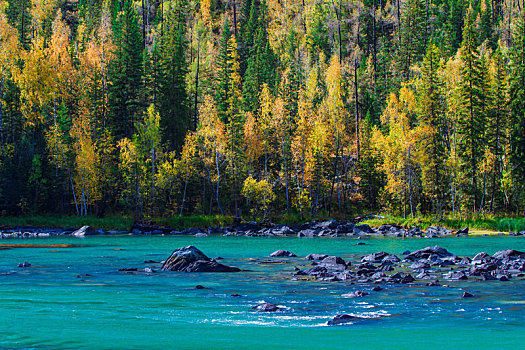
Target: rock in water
356 294
266 307
24 264
344 318
509 254
462 232
467 295
283 253
316 256
191 259
84 231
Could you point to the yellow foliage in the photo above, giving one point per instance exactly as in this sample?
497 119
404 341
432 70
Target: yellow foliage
252 138
259 193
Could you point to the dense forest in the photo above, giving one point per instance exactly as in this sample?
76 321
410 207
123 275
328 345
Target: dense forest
262 107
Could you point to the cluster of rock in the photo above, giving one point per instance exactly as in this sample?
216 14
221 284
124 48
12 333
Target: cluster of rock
431 263
29 232
329 228
334 228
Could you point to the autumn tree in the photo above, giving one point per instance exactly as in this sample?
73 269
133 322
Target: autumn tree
398 148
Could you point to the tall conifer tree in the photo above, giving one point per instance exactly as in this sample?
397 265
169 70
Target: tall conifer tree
126 73
471 122
174 103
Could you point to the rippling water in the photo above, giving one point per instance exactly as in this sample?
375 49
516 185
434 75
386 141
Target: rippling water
47 306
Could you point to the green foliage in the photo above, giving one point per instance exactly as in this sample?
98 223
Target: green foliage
409 106
19 16
173 98
471 123
126 73
517 106
482 223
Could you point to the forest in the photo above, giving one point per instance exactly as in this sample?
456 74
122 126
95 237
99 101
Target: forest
262 108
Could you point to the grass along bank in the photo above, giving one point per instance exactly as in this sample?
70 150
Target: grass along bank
121 223
480 225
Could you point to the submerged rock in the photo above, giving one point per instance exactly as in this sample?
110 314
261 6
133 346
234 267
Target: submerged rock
24 264
191 259
356 294
266 307
344 318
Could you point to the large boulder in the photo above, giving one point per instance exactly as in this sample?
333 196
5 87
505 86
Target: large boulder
509 254
462 232
316 256
427 252
308 233
282 230
364 228
248 226
191 259
326 225
84 231
375 257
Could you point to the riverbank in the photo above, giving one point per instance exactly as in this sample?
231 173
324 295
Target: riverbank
477 226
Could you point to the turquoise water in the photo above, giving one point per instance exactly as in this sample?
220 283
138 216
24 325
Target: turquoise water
47 306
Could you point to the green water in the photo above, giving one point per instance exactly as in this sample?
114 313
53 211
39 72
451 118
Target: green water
47 306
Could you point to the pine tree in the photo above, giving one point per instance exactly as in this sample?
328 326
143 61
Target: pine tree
497 123
261 64
234 122
223 73
471 123
19 16
126 73
433 151
413 35
517 106
368 166
174 103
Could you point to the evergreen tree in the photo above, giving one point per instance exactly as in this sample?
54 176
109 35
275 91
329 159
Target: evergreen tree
19 16
471 123
413 35
487 24
517 106
453 27
433 149
126 74
223 73
497 123
261 64
174 103
368 167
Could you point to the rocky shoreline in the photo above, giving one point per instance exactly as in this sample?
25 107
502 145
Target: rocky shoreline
329 228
